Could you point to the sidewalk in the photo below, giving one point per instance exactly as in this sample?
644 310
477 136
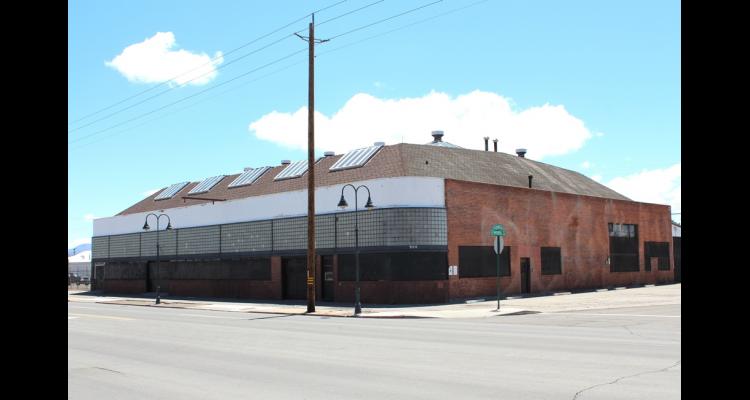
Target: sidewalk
561 302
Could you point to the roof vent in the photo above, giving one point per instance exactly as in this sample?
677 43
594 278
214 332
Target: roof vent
486 143
495 142
379 144
286 162
329 154
521 153
438 136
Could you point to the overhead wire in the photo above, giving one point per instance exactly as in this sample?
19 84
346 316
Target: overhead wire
274 62
402 27
243 84
205 64
188 97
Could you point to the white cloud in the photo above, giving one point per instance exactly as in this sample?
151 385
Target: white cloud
597 178
77 242
150 192
543 130
89 217
586 164
154 61
599 134
661 186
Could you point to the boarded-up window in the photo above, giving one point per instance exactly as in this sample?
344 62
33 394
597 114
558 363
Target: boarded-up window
404 266
658 250
623 247
481 261
551 261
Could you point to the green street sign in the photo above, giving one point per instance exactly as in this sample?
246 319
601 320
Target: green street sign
497 230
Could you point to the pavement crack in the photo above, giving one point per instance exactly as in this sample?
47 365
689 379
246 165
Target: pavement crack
107 369
625 377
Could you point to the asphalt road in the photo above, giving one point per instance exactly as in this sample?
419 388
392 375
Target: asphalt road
129 352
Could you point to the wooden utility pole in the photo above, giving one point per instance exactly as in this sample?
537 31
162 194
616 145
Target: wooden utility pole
311 169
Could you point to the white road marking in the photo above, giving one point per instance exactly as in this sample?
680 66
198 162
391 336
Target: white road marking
102 316
207 316
615 315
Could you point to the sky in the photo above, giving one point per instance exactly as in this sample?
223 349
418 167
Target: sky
171 91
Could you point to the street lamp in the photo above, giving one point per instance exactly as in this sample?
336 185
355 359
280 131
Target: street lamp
158 261
368 205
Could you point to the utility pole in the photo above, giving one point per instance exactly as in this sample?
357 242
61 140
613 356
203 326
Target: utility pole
311 168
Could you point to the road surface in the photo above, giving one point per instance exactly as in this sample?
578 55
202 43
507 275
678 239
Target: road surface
130 352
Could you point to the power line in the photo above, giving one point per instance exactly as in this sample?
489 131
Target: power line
207 63
188 97
403 27
170 89
343 15
189 106
278 60
385 19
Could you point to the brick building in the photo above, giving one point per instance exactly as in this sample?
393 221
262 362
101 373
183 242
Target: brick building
245 235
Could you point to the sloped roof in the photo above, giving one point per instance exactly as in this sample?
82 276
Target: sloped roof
404 160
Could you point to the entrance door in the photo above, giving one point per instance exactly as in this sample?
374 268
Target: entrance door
525 275
150 287
294 278
327 262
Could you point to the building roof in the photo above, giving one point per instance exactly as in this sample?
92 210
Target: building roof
403 160
84 256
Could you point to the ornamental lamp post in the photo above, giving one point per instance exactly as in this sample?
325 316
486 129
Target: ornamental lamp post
343 204
158 260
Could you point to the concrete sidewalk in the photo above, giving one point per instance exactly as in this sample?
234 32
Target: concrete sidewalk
561 302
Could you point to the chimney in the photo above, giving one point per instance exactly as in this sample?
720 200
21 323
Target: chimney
438 136
521 152
285 162
530 178
329 154
486 143
494 141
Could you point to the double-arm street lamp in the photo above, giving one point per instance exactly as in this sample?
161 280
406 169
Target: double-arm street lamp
158 261
368 205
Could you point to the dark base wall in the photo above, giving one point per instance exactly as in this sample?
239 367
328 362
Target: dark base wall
412 292
130 278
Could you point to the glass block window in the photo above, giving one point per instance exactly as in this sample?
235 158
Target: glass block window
246 237
125 245
290 233
100 247
167 243
201 240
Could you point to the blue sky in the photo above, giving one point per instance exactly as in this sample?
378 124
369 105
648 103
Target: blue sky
590 86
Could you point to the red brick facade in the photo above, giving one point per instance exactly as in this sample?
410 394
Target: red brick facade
534 219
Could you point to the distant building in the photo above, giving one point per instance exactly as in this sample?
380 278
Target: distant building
80 264
426 241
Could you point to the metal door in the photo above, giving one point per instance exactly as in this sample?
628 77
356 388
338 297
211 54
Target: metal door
294 278
328 285
525 275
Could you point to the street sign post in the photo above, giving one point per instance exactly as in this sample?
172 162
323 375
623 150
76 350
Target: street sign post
499 232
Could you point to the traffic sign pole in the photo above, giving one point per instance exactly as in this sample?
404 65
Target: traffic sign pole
497 280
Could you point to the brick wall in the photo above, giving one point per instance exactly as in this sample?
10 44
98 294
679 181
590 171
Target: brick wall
535 218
